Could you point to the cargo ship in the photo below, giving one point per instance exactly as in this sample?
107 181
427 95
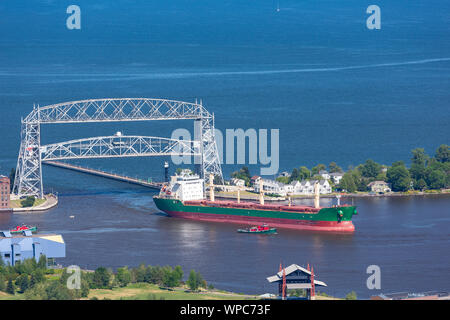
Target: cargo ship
184 197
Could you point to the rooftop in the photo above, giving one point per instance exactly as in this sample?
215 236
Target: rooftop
295 270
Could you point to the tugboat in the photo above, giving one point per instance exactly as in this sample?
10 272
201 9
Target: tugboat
23 228
258 229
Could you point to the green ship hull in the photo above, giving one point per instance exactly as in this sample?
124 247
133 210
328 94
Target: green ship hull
332 219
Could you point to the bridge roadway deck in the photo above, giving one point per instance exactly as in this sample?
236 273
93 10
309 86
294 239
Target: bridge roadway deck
152 185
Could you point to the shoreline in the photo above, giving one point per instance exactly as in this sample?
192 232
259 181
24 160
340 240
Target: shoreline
334 194
50 202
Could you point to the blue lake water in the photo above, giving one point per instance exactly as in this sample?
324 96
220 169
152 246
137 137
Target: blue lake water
335 90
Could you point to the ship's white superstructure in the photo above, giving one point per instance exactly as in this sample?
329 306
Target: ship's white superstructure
184 186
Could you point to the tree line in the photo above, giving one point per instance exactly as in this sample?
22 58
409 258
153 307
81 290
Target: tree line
37 282
425 173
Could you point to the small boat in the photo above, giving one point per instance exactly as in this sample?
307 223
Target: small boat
23 228
258 229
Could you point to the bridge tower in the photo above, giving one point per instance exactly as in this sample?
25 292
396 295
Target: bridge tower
28 179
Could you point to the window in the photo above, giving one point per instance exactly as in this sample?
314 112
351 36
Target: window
7 255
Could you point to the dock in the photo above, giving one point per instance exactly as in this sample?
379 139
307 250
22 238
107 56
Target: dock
104 174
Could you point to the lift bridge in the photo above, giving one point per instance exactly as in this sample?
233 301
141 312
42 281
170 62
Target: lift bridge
28 180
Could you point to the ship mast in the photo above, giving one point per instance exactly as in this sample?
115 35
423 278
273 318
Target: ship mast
316 195
211 187
261 192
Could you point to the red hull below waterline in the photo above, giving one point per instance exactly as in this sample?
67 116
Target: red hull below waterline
326 226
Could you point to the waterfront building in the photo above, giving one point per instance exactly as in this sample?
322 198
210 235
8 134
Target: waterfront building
254 180
271 186
5 203
284 174
296 277
324 174
306 187
14 248
379 187
237 182
336 177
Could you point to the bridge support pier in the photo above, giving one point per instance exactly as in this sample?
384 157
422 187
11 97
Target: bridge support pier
28 179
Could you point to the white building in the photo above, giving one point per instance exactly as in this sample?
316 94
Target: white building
324 174
336 177
284 174
271 186
306 187
379 187
237 182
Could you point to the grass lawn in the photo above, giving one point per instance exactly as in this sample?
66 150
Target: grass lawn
18 204
146 291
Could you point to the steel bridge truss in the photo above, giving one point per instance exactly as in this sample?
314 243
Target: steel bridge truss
28 180
117 147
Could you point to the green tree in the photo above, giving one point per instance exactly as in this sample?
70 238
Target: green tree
443 153
333 167
284 180
22 282
194 281
347 182
28 202
178 273
101 278
315 170
123 276
140 273
28 266
171 277
84 286
295 175
370 169
37 277
351 296
360 181
58 291
157 275
2 283
42 263
244 174
418 164
37 292
436 179
398 176
304 173
420 185
10 287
